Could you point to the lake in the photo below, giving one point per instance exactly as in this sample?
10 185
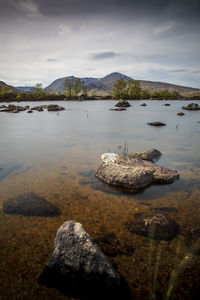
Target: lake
55 155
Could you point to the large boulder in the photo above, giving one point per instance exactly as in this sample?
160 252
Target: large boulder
78 268
156 226
191 106
122 103
133 173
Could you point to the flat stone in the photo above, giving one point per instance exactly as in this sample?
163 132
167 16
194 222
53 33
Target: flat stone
78 268
156 123
30 204
132 173
191 106
156 226
118 109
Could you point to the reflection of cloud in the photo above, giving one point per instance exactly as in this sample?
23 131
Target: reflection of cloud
29 7
104 55
51 59
164 28
63 30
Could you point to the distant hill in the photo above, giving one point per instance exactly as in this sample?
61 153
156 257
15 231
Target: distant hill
9 87
104 85
24 88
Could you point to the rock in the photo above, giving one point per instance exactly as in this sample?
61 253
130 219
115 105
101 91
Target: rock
78 268
2 106
55 107
30 204
14 108
132 173
191 106
180 113
156 226
150 155
167 104
29 111
156 124
111 246
193 240
143 104
118 109
122 103
40 107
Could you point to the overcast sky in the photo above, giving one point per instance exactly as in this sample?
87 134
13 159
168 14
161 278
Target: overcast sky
42 40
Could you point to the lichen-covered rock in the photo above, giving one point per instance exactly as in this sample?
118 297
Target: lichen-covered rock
30 204
122 103
191 106
132 173
78 268
156 226
156 123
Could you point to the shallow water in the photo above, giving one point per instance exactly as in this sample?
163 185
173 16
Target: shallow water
55 155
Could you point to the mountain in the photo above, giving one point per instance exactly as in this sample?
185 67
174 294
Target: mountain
9 88
24 88
104 85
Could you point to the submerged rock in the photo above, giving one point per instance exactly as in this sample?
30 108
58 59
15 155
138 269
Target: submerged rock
150 155
122 103
191 106
193 240
133 173
55 107
156 123
118 109
156 226
180 113
78 268
30 204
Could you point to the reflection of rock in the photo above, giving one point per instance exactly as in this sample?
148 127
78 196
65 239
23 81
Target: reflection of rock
156 123
55 107
191 106
180 113
193 240
143 104
150 155
155 226
30 205
132 173
111 246
122 103
118 109
78 268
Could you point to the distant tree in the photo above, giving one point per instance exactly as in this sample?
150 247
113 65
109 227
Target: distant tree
38 91
74 86
133 89
119 89
145 94
85 90
5 89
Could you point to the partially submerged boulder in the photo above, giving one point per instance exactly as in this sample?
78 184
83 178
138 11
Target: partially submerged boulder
151 155
191 106
122 103
156 123
133 172
30 204
143 104
78 268
156 226
55 107
118 109
167 104
180 113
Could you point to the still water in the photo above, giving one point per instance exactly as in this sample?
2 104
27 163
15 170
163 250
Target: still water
55 155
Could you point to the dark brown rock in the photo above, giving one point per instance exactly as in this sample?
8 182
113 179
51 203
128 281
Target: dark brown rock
180 113
55 107
132 173
150 155
191 106
156 226
29 111
167 104
156 123
30 204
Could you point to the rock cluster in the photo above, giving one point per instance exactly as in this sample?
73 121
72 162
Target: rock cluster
13 108
78 268
134 171
191 106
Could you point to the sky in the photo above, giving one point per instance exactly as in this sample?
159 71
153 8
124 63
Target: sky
42 40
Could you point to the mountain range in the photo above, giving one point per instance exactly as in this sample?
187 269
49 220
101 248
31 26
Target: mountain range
103 86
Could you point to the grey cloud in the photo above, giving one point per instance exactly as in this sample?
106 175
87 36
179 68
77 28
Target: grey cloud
104 55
